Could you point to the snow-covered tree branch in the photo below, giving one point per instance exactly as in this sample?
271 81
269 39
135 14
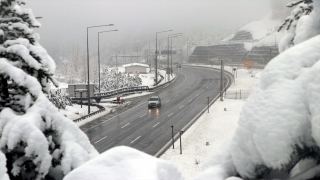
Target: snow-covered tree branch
298 24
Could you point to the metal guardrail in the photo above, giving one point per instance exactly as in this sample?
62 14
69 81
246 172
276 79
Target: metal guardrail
101 109
123 90
99 96
237 94
187 126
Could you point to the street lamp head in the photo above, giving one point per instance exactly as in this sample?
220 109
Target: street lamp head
163 31
107 31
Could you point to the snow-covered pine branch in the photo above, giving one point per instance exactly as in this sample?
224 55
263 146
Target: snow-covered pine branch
302 8
38 142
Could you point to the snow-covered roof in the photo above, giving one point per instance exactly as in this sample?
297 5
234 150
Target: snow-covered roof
61 86
135 64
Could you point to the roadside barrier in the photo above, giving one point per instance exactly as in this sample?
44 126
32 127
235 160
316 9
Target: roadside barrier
101 109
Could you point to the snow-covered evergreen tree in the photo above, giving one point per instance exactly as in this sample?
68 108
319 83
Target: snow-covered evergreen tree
38 142
109 80
60 100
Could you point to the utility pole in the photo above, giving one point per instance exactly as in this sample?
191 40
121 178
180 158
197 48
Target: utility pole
88 66
221 81
117 74
156 59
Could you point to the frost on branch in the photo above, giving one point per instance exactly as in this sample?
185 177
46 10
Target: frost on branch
38 142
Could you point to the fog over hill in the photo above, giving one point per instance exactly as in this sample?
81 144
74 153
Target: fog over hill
64 23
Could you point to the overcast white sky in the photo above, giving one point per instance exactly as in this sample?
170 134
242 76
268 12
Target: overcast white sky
64 22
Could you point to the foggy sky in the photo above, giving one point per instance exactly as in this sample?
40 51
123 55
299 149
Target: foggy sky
65 22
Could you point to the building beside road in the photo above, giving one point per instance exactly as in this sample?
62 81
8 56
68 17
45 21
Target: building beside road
136 67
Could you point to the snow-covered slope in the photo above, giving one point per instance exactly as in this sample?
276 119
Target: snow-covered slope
260 29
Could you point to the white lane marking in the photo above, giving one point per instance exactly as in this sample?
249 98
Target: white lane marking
156 124
181 107
100 139
168 101
105 121
135 139
170 114
96 125
197 95
190 100
114 116
125 125
143 115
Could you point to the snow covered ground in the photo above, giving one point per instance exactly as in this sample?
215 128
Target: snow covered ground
214 127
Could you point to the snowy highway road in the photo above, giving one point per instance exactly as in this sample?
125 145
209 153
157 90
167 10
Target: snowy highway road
149 130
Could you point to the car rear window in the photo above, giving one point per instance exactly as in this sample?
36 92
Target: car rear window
153 99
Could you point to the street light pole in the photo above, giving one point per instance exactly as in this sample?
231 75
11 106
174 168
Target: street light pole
88 93
221 81
171 51
117 74
99 52
168 55
208 104
156 59
137 52
172 137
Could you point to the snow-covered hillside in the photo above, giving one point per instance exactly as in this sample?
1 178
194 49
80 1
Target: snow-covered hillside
261 29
